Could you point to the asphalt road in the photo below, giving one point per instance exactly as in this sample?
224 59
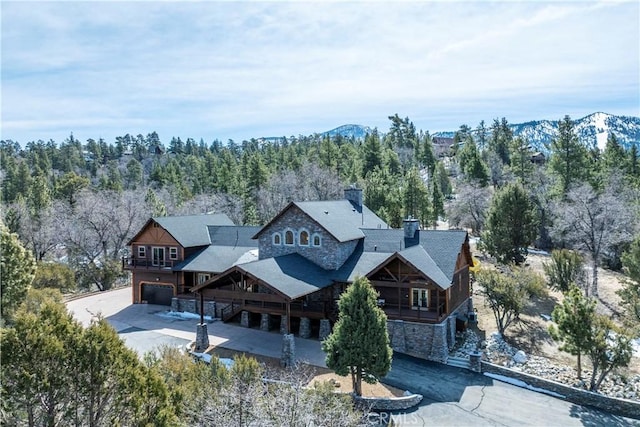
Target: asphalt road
452 396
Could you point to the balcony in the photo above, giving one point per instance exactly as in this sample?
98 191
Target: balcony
129 263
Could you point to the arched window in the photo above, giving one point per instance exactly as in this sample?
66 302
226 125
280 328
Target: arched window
288 237
303 238
316 240
277 239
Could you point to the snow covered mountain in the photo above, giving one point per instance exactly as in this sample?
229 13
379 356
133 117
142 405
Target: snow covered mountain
592 131
349 131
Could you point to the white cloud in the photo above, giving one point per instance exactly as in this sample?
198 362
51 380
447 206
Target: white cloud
195 69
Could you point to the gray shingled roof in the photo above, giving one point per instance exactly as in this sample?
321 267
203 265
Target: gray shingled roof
292 275
216 259
443 246
191 230
341 218
420 259
226 235
295 276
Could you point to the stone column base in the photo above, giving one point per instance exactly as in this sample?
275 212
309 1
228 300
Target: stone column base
244 319
284 328
202 338
288 357
265 322
305 327
325 329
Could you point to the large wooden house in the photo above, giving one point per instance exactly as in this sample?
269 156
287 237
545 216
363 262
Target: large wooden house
289 274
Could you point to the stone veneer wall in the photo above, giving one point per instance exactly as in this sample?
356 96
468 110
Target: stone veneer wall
623 407
330 255
426 340
193 306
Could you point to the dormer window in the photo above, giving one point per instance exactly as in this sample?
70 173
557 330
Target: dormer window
277 239
288 237
304 238
316 240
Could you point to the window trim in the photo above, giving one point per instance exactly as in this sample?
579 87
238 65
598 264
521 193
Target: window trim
142 251
304 230
173 253
203 277
275 236
423 299
313 240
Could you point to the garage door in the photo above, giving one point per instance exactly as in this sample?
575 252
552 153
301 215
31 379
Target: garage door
157 294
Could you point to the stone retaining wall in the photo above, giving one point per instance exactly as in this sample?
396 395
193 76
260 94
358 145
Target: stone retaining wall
388 403
622 407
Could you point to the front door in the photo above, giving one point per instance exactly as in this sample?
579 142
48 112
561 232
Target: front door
419 299
158 256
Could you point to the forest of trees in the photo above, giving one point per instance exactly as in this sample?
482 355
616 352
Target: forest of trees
79 202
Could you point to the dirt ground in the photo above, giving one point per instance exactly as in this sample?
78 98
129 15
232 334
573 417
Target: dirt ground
314 373
531 334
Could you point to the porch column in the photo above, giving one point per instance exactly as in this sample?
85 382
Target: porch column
305 327
265 322
284 326
325 329
244 318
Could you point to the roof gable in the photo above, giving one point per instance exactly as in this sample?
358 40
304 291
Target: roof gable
339 218
187 230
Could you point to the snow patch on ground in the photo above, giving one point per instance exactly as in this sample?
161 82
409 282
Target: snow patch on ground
182 315
522 384
635 345
205 357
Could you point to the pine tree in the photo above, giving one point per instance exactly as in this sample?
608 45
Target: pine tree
359 343
630 291
18 268
511 225
371 153
573 320
437 202
568 160
564 270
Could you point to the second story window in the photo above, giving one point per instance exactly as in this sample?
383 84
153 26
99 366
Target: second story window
304 238
142 251
288 237
277 239
316 240
173 253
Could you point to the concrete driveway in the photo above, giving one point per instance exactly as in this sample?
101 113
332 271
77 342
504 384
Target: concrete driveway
452 396
459 397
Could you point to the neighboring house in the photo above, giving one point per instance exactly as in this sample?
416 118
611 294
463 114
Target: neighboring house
310 252
538 158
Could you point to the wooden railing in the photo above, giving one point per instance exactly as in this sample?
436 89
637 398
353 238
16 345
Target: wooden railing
134 263
231 310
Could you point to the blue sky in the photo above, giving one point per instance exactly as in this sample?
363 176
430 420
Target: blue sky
251 69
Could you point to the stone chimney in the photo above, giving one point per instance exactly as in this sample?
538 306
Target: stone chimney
411 231
354 195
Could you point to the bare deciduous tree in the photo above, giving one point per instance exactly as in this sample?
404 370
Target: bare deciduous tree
593 223
469 208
